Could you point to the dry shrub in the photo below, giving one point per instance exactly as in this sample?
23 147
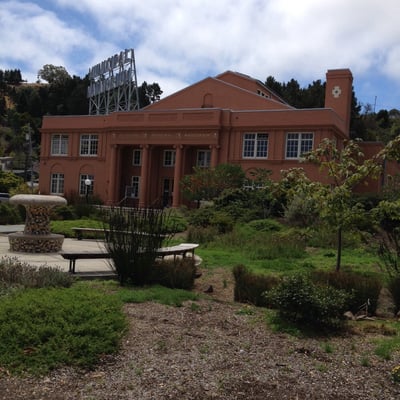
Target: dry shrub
178 273
363 289
250 287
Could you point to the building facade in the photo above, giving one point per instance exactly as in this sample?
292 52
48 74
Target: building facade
231 118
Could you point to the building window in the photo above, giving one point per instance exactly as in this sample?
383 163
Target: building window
57 184
255 145
135 187
137 157
203 158
89 145
169 158
298 143
83 188
59 145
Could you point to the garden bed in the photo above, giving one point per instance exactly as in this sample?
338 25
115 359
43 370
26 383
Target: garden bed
215 349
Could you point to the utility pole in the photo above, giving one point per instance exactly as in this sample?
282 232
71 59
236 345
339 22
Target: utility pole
28 137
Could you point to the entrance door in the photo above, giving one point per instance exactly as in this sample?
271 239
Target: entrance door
167 190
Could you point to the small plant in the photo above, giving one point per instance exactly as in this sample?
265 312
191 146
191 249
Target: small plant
396 374
16 273
328 348
365 361
194 307
299 300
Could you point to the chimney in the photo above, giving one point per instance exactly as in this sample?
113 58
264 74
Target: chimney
338 94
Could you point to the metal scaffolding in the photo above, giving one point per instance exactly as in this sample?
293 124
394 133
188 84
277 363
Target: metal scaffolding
113 85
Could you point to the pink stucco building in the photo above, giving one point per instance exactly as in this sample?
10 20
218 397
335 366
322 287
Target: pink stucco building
231 118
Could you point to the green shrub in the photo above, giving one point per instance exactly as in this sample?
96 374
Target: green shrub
250 287
223 222
9 214
133 239
363 289
394 288
42 329
301 211
265 225
64 213
303 302
209 216
202 217
175 274
16 273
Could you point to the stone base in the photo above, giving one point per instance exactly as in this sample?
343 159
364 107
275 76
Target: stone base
22 242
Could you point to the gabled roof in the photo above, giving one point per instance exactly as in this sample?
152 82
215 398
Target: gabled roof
229 90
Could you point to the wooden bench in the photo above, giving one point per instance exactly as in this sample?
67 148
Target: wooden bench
182 249
79 231
84 255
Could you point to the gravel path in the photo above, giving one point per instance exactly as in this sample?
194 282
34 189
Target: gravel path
215 349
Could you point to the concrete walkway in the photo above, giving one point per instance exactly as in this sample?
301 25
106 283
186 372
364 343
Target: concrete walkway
55 259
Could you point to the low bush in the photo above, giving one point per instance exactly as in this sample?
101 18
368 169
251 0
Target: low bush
174 274
42 329
9 214
250 287
302 211
363 289
64 213
15 273
394 288
299 300
265 225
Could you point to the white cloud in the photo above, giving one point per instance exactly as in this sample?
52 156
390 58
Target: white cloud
178 42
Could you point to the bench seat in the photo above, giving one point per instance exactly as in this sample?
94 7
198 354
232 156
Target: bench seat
84 255
182 250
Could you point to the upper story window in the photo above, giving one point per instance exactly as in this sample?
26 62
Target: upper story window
59 145
89 145
298 143
137 157
57 183
255 145
203 158
169 158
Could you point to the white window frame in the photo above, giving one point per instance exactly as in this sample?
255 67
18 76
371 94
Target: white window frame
297 144
137 157
169 158
255 145
83 187
203 158
57 183
59 144
89 145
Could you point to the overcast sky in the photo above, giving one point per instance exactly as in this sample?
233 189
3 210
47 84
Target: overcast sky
180 42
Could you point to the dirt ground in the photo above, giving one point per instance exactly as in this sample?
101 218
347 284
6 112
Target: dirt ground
216 349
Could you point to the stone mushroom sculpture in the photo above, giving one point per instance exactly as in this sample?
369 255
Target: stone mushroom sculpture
36 237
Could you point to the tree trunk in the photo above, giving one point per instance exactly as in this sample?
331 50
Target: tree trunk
339 249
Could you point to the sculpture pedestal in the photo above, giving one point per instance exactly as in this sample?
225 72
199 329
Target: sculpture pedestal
26 243
36 237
